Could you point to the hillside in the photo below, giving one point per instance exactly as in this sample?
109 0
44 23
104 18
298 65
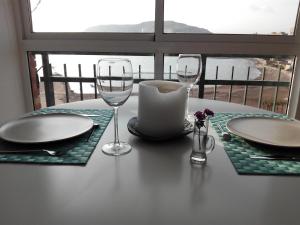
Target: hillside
148 27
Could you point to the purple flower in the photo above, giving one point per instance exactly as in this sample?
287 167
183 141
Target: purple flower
200 115
208 112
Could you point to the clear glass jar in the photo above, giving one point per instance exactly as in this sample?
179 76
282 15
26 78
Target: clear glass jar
203 144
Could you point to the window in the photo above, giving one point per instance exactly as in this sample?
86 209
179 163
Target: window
92 16
271 17
231 28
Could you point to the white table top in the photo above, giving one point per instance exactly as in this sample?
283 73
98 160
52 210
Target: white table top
154 184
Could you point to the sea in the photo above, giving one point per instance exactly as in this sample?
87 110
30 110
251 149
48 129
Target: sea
146 64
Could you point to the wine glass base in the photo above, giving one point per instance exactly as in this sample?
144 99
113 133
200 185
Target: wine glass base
116 149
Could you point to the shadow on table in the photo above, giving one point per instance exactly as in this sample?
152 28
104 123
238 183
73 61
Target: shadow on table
162 161
199 177
275 150
166 165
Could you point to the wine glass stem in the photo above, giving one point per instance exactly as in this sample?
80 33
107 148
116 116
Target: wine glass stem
116 140
187 102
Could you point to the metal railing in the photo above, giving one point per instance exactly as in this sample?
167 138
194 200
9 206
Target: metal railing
49 80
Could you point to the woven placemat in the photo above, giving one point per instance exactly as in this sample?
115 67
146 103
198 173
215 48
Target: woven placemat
239 150
77 150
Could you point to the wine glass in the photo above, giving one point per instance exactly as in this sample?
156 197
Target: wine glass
188 72
114 84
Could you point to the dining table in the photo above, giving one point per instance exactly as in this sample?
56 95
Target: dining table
154 184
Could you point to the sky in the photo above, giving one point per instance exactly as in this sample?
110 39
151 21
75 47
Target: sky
218 16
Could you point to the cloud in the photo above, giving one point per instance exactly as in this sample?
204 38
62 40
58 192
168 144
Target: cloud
254 8
261 8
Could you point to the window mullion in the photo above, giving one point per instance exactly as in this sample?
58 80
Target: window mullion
158 65
159 19
159 28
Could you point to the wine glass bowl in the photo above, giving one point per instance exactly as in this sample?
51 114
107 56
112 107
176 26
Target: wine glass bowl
188 72
114 84
188 69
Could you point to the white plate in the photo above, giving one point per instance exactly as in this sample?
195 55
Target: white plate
270 131
45 128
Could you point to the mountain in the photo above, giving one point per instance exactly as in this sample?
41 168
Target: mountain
148 27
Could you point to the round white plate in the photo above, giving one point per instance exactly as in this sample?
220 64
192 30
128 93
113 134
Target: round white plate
45 128
270 131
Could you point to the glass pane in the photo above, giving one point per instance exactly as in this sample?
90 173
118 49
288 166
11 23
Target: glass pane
92 15
143 68
272 17
237 68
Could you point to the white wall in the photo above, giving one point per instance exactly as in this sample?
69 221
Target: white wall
12 101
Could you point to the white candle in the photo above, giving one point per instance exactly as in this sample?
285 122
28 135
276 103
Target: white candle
161 109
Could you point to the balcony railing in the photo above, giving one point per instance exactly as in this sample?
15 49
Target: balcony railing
207 88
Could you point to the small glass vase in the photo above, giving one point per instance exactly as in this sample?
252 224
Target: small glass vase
202 144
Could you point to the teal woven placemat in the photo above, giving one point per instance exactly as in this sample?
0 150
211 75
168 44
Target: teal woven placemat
78 150
239 150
